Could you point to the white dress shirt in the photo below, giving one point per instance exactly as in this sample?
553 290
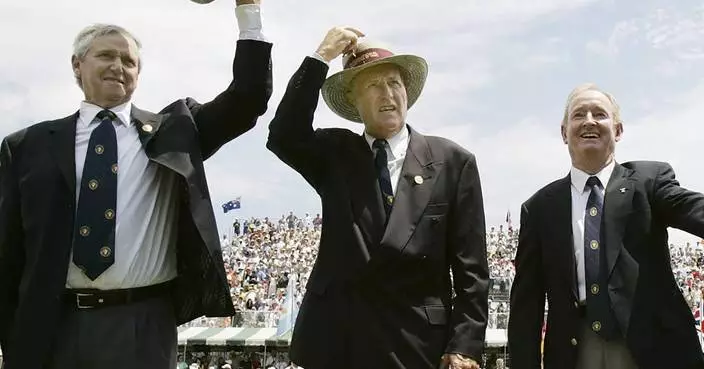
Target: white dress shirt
395 153
146 211
580 196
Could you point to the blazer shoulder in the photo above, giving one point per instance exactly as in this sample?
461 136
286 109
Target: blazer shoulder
538 197
647 169
20 136
450 150
336 135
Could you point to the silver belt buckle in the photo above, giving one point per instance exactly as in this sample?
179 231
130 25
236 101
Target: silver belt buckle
78 300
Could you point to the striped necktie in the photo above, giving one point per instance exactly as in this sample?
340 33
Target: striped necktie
382 173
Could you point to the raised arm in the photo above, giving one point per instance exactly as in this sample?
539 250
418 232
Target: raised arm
291 134
236 110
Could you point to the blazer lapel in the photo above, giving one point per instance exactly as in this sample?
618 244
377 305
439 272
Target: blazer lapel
63 147
559 218
415 185
368 207
622 270
617 205
147 124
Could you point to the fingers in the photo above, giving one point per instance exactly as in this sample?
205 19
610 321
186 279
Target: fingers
352 36
355 31
350 47
339 40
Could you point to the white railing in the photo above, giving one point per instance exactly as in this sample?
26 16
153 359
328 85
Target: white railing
270 319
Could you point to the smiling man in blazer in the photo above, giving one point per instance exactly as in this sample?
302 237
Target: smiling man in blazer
595 242
400 211
108 239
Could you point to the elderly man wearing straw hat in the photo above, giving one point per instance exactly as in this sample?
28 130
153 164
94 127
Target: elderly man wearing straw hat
401 210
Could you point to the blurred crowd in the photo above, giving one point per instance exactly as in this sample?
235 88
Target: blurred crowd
688 270
235 360
260 255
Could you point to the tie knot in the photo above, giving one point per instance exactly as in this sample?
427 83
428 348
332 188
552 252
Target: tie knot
593 181
379 144
106 114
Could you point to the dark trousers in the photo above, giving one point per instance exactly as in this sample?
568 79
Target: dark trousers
596 353
137 335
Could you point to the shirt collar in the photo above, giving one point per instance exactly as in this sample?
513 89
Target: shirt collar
88 112
579 177
398 143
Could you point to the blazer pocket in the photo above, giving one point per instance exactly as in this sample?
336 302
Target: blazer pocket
436 314
439 208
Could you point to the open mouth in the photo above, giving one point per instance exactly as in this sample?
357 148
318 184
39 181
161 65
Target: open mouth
589 135
387 108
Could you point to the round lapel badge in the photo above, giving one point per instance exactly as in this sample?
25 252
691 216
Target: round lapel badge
418 179
147 128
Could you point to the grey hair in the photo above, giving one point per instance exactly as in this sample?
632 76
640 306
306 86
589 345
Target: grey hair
592 87
85 39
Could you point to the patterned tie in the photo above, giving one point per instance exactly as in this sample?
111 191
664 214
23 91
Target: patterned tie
599 312
382 174
94 233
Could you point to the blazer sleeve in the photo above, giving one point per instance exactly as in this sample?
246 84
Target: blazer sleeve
527 298
11 254
236 110
291 134
470 271
679 207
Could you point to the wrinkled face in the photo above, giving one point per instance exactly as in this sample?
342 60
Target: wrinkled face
590 131
109 70
379 94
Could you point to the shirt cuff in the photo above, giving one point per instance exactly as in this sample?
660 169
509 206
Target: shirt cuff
317 56
249 21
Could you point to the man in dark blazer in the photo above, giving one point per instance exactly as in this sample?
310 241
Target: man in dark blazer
108 239
400 210
596 243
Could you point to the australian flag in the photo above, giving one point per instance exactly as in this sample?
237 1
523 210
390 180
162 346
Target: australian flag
231 205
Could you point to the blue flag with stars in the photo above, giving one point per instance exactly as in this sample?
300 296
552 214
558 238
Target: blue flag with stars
231 205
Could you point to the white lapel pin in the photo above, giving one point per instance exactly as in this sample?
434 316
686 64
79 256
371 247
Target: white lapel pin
418 179
622 189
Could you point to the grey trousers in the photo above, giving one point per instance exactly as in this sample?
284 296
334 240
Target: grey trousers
137 335
595 353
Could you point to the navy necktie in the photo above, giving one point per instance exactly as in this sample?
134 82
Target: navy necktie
599 314
94 233
382 173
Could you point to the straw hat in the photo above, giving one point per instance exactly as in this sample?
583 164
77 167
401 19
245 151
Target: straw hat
368 53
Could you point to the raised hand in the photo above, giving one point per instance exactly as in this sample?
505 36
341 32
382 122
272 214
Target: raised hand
339 40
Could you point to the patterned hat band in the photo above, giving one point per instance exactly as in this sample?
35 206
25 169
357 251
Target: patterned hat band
367 56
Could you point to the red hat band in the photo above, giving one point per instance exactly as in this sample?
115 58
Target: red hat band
367 56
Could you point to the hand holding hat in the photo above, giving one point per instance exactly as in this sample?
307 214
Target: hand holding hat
339 40
360 55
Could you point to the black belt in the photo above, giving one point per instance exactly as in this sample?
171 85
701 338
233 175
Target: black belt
92 299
